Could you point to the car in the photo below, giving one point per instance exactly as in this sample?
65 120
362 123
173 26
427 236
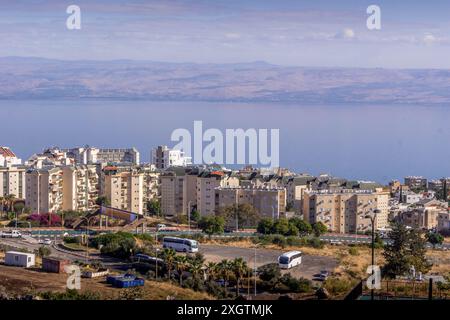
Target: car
160 226
46 241
324 273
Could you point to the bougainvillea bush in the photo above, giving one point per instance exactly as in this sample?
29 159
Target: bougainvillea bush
45 219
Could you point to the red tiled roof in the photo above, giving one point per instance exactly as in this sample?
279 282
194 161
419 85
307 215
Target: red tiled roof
6 152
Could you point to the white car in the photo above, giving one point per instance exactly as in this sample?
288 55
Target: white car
160 226
46 241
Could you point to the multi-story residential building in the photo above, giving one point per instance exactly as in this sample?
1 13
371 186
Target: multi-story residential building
80 187
295 188
268 202
123 188
409 197
44 189
8 158
424 214
443 224
416 182
48 158
173 192
163 157
13 181
207 182
152 190
347 210
92 155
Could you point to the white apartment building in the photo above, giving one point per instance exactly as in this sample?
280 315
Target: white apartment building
163 157
8 158
12 181
80 187
92 155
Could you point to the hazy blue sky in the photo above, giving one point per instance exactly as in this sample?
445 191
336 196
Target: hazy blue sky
415 34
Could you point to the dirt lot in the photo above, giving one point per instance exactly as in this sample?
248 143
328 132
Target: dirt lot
24 281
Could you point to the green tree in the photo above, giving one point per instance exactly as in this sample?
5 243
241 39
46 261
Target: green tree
417 252
169 258
240 268
246 214
212 225
281 226
265 226
181 264
434 238
292 230
319 228
102 201
405 249
154 207
225 271
304 228
195 215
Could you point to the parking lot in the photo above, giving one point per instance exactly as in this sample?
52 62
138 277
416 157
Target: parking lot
310 264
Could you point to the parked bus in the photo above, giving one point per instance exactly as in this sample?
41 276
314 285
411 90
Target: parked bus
180 244
290 259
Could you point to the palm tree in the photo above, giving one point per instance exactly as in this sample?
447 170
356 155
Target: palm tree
211 270
2 201
181 263
224 269
169 257
195 269
240 268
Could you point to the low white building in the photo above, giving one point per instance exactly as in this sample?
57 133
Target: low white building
8 158
20 259
163 157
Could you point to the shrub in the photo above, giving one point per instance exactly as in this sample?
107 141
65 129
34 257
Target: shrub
269 272
45 219
353 251
296 285
70 294
315 243
44 251
279 240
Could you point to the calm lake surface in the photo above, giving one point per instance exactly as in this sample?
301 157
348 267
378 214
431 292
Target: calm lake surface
352 141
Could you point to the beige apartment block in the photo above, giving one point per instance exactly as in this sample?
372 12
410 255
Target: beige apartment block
44 190
151 186
173 194
424 215
80 187
347 210
124 189
207 182
13 181
268 202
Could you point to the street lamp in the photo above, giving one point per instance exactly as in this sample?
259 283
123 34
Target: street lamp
189 215
372 216
87 235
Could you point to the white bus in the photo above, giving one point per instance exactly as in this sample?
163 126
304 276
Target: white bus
290 259
180 244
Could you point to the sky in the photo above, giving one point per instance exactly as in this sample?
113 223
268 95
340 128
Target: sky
414 34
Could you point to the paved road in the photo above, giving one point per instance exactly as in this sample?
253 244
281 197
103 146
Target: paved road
310 264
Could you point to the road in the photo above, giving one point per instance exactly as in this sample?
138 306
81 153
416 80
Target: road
310 264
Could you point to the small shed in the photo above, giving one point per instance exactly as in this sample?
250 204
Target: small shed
55 265
20 259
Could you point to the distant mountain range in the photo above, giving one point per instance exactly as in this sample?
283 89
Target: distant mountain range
30 78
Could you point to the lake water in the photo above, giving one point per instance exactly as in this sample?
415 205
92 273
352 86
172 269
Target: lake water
357 142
